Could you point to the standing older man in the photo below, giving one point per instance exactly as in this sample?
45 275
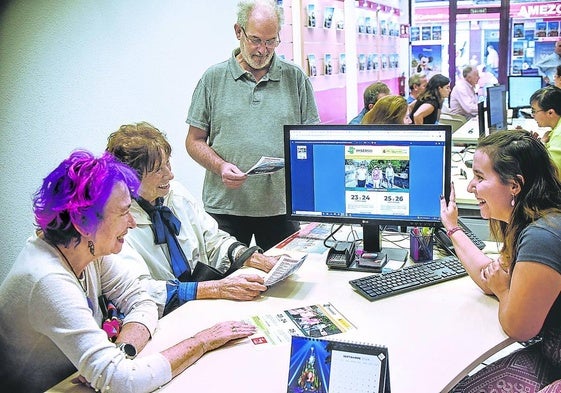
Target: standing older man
463 99
237 115
547 65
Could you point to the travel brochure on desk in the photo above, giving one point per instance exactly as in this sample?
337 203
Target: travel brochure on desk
309 239
318 320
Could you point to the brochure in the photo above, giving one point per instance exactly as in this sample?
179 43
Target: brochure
285 266
316 320
327 64
415 33
266 165
342 63
328 17
308 239
312 68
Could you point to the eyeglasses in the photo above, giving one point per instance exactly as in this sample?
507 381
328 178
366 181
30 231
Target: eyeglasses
272 43
534 111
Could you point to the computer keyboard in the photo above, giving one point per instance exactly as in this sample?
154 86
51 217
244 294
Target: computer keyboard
409 278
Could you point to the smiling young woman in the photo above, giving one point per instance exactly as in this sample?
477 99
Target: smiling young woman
518 189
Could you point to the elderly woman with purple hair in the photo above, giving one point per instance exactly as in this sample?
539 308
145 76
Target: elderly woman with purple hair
52 301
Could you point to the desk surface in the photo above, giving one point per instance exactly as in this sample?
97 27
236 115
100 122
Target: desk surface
468 133
434 335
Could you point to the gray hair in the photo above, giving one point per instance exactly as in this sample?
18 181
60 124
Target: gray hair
246 7
467 70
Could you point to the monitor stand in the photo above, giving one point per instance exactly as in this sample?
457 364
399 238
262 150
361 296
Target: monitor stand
372 243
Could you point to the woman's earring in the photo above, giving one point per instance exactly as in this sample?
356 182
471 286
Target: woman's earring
91 245
512 202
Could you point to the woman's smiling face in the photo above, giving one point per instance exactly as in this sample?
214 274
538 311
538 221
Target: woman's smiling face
493 196
155 184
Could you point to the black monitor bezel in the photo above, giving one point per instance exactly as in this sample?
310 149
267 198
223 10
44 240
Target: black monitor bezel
363 221
481 115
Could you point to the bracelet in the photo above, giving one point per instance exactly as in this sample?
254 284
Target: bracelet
238 251
451 231
231 249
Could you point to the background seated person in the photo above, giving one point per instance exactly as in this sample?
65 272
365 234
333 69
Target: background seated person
519 192
371 94
426 109
198 239
546 109
50 316
417 85
557 77
486 79
388 110
463 98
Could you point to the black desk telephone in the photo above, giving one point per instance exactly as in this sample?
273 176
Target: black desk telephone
341 255
445 242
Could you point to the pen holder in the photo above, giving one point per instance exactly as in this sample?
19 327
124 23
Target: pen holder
421 247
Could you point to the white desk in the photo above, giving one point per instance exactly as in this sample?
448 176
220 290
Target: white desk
434 335
468 134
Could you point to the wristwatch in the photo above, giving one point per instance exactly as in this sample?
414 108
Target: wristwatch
128 349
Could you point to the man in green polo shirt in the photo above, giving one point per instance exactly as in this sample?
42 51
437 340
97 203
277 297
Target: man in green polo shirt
236 116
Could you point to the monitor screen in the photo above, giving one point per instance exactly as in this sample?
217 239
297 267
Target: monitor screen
370 175
496 108
521 88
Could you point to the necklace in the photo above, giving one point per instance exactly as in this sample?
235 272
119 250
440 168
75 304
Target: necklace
82 281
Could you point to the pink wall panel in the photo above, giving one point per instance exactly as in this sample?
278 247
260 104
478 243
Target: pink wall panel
332 106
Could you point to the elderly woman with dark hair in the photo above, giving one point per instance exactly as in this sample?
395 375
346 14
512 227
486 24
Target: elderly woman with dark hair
169 263
51 312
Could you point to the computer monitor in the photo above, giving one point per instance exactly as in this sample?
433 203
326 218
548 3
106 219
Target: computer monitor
481 118
520 89
496 108
325 168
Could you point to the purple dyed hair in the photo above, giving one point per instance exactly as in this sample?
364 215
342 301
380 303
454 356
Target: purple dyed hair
75 193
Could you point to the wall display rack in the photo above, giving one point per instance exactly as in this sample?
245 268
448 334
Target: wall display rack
344 46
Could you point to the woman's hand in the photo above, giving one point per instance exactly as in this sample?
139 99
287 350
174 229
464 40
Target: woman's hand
223 332
449 211
496 277
261 261
239 287
187 352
